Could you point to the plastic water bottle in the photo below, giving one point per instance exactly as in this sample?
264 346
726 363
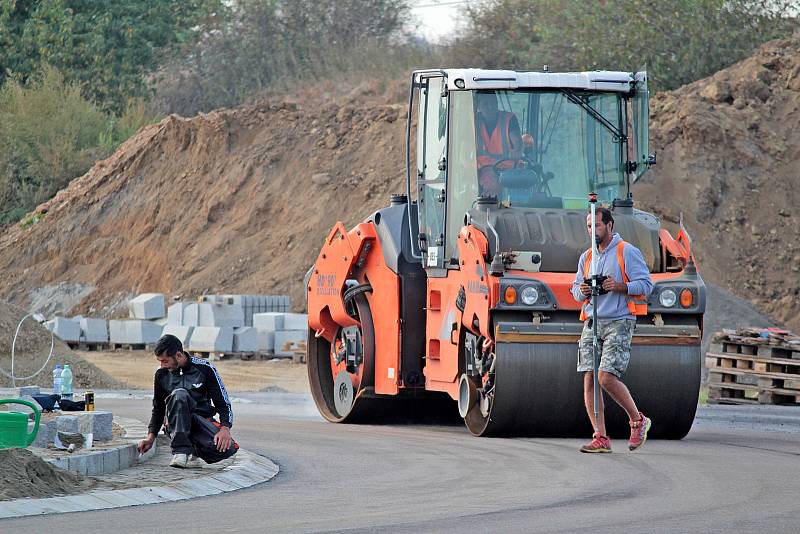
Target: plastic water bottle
57 379
66 382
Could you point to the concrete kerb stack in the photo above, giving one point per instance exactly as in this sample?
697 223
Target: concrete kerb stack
278 332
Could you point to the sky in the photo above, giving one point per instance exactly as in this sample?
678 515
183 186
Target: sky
438 19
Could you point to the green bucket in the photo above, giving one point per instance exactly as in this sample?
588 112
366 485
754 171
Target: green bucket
14 425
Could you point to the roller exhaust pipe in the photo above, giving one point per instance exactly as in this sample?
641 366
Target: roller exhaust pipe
467 395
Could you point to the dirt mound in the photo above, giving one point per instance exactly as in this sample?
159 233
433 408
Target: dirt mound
728 151
240 200
232 201
31 350
23 474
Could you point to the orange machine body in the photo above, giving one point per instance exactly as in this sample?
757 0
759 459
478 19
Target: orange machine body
357 255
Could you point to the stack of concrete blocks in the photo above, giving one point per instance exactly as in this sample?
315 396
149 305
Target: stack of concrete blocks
94 330
147 306
68 330
133 332
245 339
213 325
276 330
252 304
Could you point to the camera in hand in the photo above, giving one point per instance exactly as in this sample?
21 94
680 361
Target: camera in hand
600 279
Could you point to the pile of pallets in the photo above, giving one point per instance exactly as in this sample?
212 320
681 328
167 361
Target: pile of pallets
754 366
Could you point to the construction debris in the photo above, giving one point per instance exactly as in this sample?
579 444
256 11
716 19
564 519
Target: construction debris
754 366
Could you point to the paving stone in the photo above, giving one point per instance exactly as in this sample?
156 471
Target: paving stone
175 313
208 314
95 462
128 456
245 339
268 322
140 495
134 332
211 339
196 488
295 321
77 464
111 461
288 336
46 434
265 340
117 498
147 306
94 330
28 391
184 333
65 329
67 423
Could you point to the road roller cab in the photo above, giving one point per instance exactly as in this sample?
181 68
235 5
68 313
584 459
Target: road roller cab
462 286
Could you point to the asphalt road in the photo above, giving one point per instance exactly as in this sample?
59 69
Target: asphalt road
738 470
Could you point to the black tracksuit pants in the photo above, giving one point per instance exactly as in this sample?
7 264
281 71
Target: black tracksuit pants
191 433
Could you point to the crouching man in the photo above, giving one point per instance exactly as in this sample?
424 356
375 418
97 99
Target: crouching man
189 392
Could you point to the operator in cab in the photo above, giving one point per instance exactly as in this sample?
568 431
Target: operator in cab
498 140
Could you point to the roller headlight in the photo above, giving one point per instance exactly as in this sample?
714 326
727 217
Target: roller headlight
529 296
668 298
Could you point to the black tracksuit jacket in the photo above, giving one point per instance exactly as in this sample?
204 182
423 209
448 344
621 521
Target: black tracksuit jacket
203 383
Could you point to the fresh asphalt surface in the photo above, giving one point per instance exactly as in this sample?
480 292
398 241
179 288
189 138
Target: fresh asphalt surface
738 470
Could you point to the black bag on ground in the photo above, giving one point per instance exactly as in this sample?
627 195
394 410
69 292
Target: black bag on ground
202 438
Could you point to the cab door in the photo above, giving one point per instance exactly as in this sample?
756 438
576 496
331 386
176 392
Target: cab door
432 171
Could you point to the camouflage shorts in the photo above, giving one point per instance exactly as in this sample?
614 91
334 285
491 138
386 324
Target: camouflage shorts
615 346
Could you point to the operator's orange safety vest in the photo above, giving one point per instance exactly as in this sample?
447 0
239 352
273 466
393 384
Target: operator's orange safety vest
637 304
498 145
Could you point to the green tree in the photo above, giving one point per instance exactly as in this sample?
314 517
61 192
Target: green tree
270 41
49 134
106 46
678 40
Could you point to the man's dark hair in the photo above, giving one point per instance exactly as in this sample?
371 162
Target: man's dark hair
605 213
169 345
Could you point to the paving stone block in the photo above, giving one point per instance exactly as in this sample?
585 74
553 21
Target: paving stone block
111 461
95 462
134 332
147 306
288 336
269 321
208 314
175 313
245 339
27 391
127 456
295 321
265 340
46 434
77 464
94 330
98 423
67 423
212 339
65 329
184 333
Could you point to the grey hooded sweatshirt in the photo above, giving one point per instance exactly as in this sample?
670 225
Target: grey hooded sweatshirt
614 305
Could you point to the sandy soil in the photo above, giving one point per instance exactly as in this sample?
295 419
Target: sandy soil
136 368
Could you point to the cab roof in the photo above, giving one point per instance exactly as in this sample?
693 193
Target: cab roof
599 80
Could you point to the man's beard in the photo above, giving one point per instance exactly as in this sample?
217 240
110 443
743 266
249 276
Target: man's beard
598 239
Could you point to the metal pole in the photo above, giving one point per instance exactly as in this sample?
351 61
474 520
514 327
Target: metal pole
595 292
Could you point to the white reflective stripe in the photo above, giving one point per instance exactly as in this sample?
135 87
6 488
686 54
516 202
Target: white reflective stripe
200 361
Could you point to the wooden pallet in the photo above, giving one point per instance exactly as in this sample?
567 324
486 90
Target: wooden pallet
87 346
753 371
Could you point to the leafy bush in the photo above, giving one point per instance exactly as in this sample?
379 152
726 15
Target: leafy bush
272 43
678 41
50 134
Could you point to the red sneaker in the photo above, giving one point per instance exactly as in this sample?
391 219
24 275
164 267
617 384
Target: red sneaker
639 432
599 443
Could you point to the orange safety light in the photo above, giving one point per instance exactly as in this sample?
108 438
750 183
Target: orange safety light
686 297
510 295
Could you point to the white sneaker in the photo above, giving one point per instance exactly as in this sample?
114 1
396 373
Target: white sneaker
179 460
194 461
